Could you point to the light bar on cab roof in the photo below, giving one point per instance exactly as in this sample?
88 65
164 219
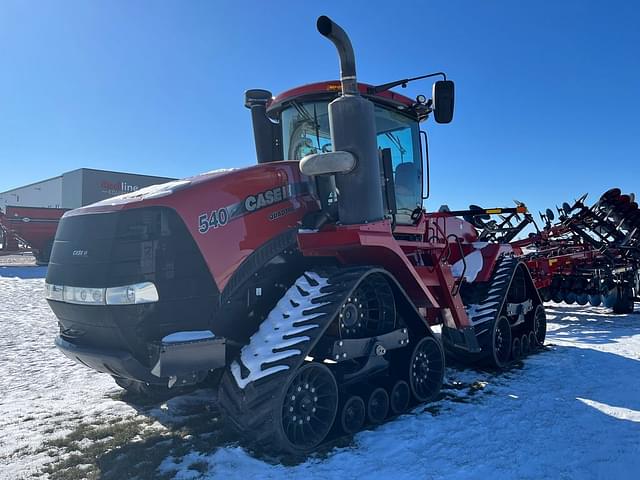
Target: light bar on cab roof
137 293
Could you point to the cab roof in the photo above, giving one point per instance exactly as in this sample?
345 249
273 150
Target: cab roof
333 87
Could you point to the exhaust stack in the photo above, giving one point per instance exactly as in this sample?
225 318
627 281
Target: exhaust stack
353 130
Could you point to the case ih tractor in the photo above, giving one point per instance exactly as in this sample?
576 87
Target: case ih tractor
307 285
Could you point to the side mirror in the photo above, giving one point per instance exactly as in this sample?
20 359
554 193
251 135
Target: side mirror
443 97
327 163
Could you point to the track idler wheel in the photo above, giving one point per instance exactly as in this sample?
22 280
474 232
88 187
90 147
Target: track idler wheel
309 407
353 415
516 349
426 369
400 397
525 345
556 296
378 405
501 342
540 325
533 341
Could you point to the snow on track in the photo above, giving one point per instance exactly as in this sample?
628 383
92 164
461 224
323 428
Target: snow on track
572 411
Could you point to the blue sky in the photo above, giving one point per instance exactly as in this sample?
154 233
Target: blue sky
547 106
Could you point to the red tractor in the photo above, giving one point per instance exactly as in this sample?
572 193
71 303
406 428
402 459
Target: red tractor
307 285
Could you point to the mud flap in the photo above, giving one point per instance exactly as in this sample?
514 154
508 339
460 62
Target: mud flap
186 358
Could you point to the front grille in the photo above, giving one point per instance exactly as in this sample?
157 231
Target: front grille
123 248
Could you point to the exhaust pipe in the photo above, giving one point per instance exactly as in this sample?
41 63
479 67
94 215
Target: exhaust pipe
340 39
353 130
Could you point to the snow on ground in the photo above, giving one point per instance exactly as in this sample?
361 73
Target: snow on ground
572 411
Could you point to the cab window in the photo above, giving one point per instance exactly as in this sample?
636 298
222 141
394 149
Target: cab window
305 130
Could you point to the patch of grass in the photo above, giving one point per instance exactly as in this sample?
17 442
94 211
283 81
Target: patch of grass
132 447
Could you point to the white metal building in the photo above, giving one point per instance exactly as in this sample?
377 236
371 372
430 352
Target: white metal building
76 188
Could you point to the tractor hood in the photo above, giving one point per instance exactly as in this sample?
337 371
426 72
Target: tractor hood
228 213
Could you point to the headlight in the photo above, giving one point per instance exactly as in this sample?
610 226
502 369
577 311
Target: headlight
138 293
53 292
82 295
144 292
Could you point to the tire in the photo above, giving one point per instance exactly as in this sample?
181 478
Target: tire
595 300
624 302
582 299
43 255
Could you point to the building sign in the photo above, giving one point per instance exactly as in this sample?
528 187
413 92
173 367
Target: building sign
117 188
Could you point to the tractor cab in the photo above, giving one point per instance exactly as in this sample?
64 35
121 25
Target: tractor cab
297 125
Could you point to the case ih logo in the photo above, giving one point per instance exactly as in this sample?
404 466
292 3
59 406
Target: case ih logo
114 188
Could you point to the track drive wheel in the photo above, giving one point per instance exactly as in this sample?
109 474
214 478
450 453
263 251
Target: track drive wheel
501 342
426 369
353 414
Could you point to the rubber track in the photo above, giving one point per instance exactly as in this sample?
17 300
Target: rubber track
485 312
250 410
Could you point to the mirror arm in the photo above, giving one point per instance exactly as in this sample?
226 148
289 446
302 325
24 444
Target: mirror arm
387 86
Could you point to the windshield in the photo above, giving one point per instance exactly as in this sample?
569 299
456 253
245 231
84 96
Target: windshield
305 130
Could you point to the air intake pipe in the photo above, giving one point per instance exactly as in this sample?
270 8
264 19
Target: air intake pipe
353 130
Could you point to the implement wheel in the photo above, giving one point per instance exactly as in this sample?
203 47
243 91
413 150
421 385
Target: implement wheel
426 369
624 301
306 411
